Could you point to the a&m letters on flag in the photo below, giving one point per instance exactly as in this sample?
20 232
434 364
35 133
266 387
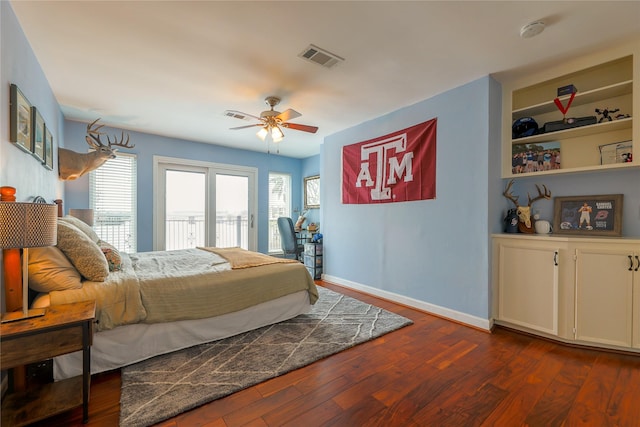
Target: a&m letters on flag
398 167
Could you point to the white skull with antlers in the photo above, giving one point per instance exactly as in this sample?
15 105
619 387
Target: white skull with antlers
524 212
72 165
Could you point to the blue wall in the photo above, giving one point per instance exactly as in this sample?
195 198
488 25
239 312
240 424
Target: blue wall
147 145
436 251
19 65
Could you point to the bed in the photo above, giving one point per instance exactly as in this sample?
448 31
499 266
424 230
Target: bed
152 303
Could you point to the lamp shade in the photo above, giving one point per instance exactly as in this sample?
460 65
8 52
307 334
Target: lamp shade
85 215
28 225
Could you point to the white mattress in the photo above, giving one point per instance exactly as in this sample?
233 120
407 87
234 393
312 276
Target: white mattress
129 344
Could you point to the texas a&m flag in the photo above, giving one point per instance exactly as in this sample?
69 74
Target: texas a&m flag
398 167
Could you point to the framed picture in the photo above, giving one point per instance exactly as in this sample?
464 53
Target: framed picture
20 119
617 152
48 149
37 134
588 215
312 192
540 157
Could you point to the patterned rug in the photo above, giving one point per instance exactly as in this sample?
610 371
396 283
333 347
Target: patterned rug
168 385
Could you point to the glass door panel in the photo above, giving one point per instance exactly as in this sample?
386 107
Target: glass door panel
185 201
232 211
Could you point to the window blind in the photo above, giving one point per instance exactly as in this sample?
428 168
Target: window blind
279 205
113 198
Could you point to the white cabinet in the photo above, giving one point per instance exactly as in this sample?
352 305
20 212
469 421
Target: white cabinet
609 82
608 293
575 289
528 283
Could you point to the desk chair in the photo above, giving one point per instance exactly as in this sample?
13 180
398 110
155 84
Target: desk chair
288 239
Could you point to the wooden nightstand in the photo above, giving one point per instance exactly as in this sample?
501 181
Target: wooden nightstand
63 329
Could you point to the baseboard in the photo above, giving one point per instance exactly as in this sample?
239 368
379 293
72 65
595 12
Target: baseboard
456 316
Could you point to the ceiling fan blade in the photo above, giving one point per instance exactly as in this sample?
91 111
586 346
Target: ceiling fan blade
247 126
288 114
240 115
304 128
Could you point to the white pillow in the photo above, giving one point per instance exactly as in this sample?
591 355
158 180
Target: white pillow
83 226
50 270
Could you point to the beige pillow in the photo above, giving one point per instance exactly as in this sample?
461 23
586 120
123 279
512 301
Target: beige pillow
83 226
50 270
111 253
83 253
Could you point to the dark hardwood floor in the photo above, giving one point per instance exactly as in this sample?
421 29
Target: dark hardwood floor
432 373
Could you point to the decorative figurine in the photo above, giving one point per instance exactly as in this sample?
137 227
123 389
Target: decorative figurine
605 113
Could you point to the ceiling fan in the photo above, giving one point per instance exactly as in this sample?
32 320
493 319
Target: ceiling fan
271 121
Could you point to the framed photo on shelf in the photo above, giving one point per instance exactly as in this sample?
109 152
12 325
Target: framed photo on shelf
535 157
37 134
588 215
617 152
312 192
20 119
48 149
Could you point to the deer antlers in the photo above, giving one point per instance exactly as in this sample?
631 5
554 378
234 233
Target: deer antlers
541 195
524 212
507 193
93 137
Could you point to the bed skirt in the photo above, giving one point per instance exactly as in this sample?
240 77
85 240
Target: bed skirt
130 344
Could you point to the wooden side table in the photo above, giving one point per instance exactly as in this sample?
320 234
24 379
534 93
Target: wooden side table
63 329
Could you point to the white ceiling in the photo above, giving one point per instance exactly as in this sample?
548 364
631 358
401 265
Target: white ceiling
173 67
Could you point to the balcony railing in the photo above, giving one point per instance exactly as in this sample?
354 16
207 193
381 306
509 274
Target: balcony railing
117 230
181 232
188 232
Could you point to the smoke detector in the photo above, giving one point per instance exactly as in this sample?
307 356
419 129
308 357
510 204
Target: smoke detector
532 29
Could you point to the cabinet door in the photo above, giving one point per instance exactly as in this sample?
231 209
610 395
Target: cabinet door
604 292
528 287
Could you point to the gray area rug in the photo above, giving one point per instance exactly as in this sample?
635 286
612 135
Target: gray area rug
165 386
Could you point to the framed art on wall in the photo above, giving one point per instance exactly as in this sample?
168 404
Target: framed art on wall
48 149
588 215
20 119
312 192
37 134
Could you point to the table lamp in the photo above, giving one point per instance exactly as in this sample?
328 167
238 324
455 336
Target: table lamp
25 225
85 215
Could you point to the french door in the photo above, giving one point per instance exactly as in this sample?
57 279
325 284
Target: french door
203 204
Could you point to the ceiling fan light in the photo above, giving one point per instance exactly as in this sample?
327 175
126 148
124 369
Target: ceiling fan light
262 133
277 134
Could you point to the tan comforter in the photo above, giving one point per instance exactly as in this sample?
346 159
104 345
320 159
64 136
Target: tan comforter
189 284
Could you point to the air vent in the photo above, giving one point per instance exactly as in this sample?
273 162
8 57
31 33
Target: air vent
235 115
320 56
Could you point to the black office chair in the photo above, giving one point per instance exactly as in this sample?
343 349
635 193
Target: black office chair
288 239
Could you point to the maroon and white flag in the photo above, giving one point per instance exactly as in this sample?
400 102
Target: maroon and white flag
398 167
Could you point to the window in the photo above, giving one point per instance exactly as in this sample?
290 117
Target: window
279 205
112 196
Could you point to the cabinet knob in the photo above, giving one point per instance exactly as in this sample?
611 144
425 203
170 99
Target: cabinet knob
630 262
637 263
555 258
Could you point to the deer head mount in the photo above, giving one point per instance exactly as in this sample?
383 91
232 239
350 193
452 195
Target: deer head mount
72 165
524 212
